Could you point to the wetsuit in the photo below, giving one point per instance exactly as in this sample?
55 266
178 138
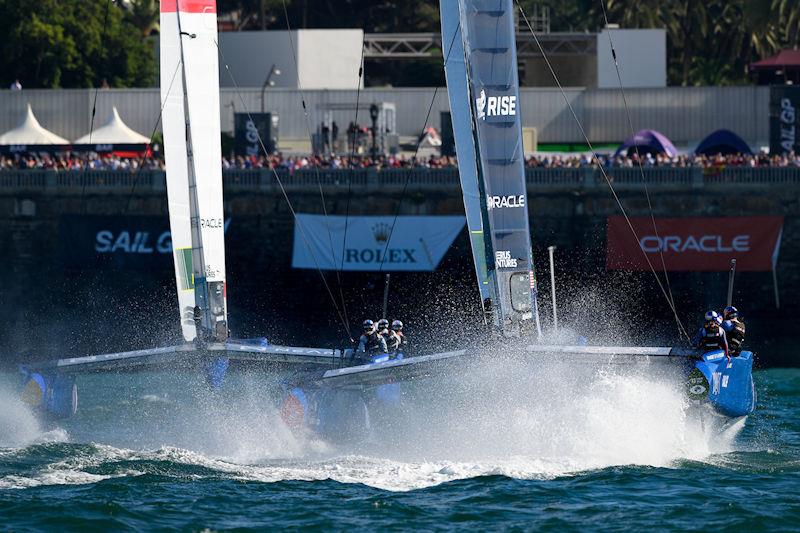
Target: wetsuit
734 332
710 339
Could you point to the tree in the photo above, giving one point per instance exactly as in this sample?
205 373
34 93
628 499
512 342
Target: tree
63 43
712 42
254 14
144 14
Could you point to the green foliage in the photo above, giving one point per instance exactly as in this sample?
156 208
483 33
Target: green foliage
62 43
712 42
709 43
372 15
59 43
255 14
144 14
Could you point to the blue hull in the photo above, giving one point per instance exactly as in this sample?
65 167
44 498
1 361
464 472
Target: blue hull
333 412
731 391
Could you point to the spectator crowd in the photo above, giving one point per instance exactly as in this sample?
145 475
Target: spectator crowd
92 161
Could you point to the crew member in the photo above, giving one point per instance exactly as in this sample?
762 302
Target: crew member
392 340
711 336
402 341
370 342
383 326
734 329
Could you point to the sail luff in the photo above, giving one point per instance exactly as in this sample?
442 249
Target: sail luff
460 115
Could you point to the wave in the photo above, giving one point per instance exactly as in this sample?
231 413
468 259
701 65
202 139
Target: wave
520 419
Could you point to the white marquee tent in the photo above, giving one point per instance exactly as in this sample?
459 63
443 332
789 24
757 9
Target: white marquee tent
30 131
115 131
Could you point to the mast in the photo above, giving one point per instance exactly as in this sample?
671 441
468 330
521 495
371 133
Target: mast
458 93
193 158
484 96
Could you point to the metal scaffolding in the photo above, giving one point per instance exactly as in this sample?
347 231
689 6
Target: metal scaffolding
426 45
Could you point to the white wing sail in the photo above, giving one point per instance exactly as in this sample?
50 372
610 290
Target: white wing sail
190 120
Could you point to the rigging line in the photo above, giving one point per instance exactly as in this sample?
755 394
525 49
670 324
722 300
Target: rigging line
416 152
350 160
638 155
286 197
96 89
152 136
681 329
316 167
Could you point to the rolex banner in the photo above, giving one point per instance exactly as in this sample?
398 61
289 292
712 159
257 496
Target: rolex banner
417 243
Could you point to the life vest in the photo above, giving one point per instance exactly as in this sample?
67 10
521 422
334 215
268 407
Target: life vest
712 339
373 344
392 340
734 331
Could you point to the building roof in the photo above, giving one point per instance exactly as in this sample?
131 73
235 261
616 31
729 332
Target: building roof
114 131
29 131
784 58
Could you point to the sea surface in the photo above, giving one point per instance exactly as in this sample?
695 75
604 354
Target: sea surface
602 450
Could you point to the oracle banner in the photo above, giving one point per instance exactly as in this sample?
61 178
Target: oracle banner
694 244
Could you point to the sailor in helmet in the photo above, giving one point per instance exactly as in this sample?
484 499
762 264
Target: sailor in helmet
402 341
382 326
371 342
392 341
733 326
711 336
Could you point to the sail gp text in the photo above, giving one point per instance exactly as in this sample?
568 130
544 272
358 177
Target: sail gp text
138 242
503 259
695 243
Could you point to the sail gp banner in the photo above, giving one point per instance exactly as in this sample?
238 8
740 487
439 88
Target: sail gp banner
121 242
417 243
695 244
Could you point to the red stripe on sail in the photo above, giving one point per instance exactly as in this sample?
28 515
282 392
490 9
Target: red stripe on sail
189 6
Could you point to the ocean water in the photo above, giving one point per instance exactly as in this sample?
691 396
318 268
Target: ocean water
599 449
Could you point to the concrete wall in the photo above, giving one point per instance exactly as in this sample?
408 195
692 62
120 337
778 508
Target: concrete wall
573 71
684 114
325 59
642 56
330 59
85 309
250 54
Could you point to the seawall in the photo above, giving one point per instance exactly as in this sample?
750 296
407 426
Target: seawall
60 298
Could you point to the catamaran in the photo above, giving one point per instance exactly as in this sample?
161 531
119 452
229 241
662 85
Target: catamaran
332 390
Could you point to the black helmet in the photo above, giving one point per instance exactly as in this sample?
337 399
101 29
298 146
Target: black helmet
368 325
397 325
383 324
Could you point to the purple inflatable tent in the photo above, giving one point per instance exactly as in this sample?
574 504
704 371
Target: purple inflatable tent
648 141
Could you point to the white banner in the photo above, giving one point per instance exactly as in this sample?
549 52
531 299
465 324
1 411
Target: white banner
417 243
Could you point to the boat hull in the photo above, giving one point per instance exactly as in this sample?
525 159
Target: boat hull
731 391
722 391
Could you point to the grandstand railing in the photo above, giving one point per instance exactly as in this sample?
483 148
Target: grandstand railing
396 179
